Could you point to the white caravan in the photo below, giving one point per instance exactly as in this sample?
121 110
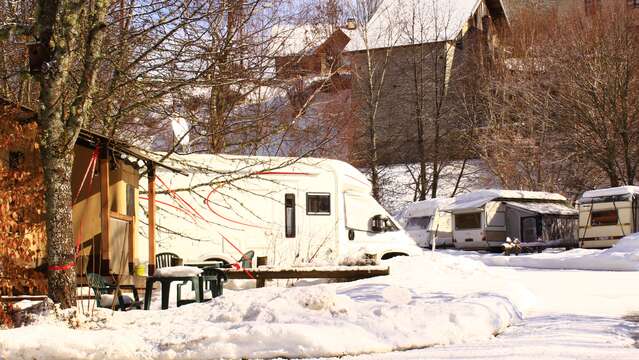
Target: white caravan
295 211
425 221
606 215
484 219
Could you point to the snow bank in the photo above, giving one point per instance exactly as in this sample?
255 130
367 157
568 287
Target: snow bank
623 256
434 299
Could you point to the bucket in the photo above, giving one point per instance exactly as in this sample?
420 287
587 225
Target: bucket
140 270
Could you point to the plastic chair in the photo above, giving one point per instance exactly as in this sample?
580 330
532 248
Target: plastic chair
214 280
101 287
166 259
247 259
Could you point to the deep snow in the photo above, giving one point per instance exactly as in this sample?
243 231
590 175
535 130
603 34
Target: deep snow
434 299
623 256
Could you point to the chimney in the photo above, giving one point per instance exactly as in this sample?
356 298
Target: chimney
351 24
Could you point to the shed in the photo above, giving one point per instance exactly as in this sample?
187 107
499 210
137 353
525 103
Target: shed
105 179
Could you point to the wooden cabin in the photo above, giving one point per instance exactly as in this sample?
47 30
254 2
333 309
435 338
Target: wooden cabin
109 186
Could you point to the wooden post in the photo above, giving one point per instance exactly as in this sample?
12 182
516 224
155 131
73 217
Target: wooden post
105 211
261 261
151 179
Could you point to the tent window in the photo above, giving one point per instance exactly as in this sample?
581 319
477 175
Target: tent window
418 223
468 221
289 215
130 200
318 204
604 218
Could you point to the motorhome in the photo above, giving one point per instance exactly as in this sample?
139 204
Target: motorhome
606 215
426 224
485 219
294 211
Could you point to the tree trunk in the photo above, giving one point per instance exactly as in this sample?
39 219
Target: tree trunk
60 244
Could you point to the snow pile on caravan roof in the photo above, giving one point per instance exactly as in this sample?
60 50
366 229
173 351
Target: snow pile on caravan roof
619 190
477 199
426 207
459 302
623 256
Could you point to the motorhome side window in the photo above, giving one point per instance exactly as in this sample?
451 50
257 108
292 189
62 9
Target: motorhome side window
468 221
318 203
289 215
605 217
418 223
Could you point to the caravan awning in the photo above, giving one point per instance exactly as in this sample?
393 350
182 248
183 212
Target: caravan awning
544 208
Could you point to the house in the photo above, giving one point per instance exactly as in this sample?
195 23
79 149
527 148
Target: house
311 50
484 219
105 181
423 54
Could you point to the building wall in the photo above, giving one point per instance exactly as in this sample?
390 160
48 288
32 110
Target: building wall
416 77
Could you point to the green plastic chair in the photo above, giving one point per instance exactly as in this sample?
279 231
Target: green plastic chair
214 280
101 287
166 259
247 259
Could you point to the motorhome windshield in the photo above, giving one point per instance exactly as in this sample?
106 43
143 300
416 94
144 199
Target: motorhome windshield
418 223
360 211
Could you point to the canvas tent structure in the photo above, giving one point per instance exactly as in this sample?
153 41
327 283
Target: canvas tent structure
485 218
606 215
106 175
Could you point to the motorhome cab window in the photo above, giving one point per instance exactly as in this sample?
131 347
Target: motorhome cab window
318 203
289 215
418 223
468 221
603 218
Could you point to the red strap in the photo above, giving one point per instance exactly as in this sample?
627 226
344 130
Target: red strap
61 267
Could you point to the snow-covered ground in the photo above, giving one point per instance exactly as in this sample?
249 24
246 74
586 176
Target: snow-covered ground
434 299
435 306
624 256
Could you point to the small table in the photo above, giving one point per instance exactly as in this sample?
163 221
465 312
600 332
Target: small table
203 264
166 281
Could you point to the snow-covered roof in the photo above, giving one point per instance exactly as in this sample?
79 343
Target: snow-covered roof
299 39
614 191
477 199
426 207
545 208
409 22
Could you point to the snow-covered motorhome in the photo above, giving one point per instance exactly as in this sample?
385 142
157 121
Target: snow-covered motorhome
294 211
425 221
484 219
607 215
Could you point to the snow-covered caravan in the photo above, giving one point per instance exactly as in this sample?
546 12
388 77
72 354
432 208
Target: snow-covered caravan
294 211
606 215
484 219
425 221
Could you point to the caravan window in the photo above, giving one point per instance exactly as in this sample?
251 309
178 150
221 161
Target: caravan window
468 221
318 203
418 223
289 215
604 218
